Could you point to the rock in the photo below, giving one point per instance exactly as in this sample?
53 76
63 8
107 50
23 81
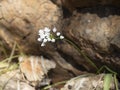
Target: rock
86 82
9 80
71 5
25 86
21 20
95 37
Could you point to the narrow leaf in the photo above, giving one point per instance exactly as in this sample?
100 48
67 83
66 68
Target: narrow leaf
107 81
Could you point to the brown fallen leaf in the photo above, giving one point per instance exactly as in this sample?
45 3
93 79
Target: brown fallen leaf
35 68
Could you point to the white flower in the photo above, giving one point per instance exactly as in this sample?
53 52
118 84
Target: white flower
58 33
43 44
41 33
47 30
61 37
53 40
54 29
39 39
49 39
46 36
45 40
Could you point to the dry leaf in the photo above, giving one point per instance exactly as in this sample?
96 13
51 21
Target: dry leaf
35 68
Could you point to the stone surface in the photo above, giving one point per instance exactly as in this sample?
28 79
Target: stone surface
21 20
97 37
90 82
73 4
12 80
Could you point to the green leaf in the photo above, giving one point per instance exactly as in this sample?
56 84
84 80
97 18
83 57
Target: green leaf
107 81
116 82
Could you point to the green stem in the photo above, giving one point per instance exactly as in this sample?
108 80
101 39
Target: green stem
111 71
56 84
9 58
12 53
3 49
116 82
78 49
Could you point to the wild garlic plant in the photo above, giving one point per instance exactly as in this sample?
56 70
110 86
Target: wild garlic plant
48 35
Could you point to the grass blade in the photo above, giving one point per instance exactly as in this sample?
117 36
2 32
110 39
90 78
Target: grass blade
107 81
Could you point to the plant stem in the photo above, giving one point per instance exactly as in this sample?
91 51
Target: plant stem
111 71
56 84
116 82
12 53
78 49
9 58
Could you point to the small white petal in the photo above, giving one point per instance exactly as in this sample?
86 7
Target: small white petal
39 39
40 31
61 37
47 29
58 33
54 29
53 40
47 34
45 40
48 39
43 44
42 36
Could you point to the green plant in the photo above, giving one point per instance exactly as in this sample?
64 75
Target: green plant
46 36
108 77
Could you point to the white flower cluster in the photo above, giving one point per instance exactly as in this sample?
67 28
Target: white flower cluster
46 36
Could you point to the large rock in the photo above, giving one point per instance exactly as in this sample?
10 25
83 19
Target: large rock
73 4
21 20
98 38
